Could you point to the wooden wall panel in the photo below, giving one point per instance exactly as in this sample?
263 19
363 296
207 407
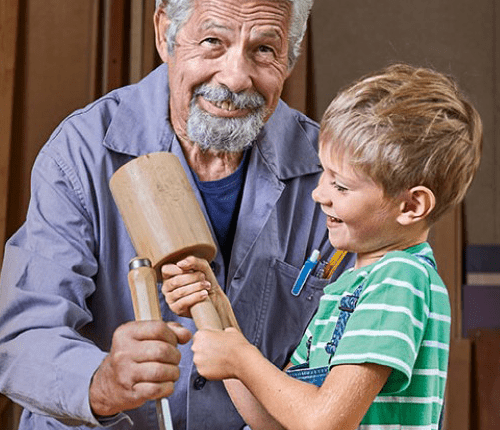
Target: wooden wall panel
485 411
446 239
55 77
8 47
458 392
296 88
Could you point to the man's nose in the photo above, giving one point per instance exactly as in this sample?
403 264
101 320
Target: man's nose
236 71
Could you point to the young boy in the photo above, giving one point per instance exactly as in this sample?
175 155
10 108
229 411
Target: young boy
398 149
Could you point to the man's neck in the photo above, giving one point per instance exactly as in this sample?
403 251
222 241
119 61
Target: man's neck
210 165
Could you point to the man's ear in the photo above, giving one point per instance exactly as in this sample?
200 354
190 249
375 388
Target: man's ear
161 22
416 205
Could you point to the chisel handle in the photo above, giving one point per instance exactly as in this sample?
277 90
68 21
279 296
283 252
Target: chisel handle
144 291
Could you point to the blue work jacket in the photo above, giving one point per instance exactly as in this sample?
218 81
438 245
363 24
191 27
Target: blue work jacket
64 286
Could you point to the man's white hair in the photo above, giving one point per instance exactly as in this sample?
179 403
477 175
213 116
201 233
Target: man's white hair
179 11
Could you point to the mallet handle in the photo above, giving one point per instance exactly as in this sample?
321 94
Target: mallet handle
205 316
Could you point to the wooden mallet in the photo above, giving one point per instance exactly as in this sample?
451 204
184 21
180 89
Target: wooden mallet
165 224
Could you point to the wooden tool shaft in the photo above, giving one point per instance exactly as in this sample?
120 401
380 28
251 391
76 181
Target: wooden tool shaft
142 283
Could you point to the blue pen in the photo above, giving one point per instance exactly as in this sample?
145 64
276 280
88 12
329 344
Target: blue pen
305 272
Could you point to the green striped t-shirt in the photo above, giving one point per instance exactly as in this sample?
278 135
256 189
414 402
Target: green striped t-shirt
402 320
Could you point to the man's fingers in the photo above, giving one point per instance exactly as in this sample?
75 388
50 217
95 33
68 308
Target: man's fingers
182 333
150 330
156 351
171 333
151 390
154 372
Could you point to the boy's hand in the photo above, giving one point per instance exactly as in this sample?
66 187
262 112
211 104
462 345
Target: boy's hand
216 352
186 283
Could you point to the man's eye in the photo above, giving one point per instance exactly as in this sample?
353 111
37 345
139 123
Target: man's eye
211 41
265 49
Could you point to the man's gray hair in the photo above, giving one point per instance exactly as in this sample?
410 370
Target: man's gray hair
179 11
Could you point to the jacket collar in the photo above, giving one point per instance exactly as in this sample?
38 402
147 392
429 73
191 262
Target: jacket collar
141 125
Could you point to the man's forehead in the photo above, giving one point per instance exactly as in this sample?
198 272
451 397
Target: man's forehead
218 10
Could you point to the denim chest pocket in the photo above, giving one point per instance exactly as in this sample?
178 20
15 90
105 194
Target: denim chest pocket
282 317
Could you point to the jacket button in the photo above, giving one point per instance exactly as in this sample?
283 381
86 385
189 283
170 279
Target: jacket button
199 383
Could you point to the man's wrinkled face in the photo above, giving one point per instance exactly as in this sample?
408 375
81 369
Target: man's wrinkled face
227 70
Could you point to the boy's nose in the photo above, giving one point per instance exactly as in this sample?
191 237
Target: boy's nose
318 194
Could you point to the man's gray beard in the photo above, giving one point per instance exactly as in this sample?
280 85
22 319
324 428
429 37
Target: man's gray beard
220 133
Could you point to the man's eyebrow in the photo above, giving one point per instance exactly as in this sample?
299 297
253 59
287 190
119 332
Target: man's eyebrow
210 25
270 34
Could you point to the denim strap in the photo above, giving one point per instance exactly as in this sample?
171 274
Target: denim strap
346 306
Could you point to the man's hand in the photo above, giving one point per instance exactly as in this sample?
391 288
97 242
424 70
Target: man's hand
142 365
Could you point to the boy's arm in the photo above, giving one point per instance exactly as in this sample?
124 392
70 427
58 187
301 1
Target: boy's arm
340 403
185 284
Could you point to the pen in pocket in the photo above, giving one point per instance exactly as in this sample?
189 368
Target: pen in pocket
305 272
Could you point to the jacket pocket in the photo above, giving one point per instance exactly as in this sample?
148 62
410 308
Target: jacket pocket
283 317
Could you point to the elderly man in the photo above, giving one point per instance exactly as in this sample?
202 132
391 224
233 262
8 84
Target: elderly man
69 353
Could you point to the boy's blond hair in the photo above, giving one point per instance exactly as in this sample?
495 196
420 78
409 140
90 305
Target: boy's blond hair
406 126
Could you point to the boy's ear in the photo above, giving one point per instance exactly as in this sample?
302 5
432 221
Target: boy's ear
161 22
416 205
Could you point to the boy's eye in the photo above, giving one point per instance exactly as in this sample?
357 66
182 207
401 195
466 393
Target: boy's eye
339 187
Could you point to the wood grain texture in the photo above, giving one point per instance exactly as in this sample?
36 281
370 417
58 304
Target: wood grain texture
9 11
160 210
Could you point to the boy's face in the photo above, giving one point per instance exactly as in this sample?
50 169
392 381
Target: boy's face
359 217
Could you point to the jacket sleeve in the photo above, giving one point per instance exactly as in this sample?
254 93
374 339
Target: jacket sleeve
45 364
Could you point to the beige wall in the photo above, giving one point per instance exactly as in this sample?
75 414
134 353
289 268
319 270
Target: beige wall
460 37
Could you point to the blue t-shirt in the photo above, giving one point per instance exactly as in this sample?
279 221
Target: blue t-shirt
222 199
